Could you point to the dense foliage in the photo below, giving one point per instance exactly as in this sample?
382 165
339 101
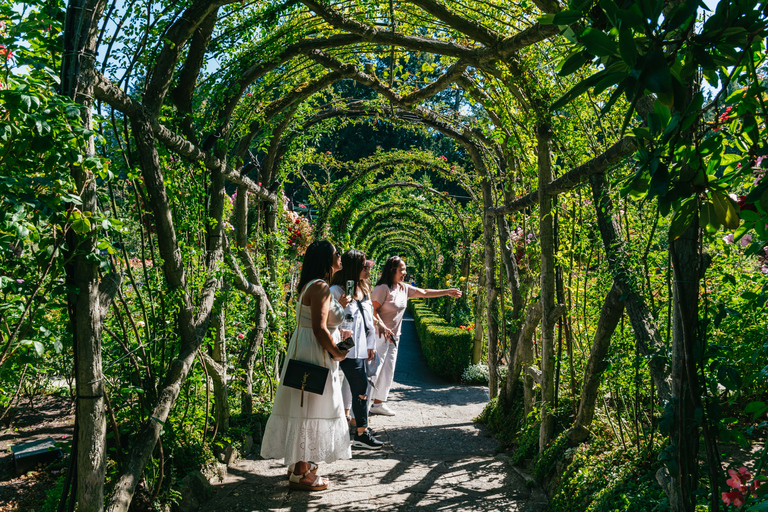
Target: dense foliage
590 174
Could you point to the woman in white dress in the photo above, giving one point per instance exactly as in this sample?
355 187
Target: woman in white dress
316 430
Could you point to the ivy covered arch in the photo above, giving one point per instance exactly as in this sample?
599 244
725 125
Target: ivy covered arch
202 99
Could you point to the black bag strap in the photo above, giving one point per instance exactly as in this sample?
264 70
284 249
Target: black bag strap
362 313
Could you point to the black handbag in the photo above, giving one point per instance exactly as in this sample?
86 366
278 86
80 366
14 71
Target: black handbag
302 375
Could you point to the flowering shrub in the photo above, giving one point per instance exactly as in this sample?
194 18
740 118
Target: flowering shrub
741 487
298 232
478 373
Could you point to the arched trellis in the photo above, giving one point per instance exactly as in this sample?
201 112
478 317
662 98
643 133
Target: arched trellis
402 247
402 230
391 246
492 49
413 217
404 227
346 212
366 213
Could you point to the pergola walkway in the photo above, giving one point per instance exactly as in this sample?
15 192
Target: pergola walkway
434 458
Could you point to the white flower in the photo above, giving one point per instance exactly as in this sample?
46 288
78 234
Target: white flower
745 240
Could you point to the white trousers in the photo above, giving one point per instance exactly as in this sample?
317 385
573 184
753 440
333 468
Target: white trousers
386 374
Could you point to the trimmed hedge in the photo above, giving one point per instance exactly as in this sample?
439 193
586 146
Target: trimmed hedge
448 349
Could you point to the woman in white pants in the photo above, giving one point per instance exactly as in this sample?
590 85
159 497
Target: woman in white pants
390 298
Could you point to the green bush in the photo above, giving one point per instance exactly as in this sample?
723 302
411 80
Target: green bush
478 373
602 478
448 349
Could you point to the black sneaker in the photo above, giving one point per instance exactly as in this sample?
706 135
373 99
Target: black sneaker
366 441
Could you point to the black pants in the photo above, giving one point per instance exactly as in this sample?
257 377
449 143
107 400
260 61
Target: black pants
354 372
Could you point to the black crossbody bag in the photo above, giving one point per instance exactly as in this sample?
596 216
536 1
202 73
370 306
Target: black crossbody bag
302 375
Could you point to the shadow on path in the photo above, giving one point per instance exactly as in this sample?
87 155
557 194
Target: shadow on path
434 458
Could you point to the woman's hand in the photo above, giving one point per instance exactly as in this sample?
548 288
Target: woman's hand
389 335
339 355
344 300
454 292
344 334
371 354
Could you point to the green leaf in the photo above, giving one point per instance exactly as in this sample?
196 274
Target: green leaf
657 78
572 63
682 218
663 112
577 90
597 42
39 348
725 210
709 218
627 47
566 17
81 225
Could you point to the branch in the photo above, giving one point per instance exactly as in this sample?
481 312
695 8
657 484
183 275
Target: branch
175 39
105 90
600 164
474 30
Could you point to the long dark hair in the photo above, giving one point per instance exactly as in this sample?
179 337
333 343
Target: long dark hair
318 262
388 272
352 263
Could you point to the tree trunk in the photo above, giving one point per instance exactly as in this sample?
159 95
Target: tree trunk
492 305
610 315
477 347
546 237
85 308
217 370
647 336
255 340
192 325
523 356
516 296
685 387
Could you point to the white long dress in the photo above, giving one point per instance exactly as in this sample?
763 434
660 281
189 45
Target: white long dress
317 431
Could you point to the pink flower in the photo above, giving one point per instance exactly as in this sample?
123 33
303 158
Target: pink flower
728 238
5 52
745 240
734 498
240 335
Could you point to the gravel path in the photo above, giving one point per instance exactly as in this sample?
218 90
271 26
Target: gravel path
434 458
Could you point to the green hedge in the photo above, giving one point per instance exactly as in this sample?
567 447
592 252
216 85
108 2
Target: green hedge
448 349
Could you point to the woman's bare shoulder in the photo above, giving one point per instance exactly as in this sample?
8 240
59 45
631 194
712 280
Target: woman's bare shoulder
317 290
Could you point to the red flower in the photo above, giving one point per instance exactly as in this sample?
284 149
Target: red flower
5 52
742 201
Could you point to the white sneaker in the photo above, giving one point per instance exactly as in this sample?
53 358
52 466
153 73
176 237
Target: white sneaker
381 409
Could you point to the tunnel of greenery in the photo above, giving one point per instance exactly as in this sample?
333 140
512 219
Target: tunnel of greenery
591 174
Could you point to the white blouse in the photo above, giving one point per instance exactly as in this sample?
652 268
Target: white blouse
363 341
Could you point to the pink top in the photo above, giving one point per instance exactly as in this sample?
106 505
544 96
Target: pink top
393 303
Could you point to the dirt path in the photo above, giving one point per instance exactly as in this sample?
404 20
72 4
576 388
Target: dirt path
434 458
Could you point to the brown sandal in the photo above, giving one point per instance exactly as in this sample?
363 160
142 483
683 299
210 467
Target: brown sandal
295 483
312 468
